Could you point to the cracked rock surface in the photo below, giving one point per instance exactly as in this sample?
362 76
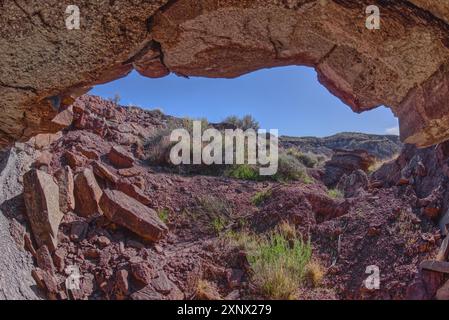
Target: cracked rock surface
44 66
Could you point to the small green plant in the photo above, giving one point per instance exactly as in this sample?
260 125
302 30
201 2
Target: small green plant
335 194
243 172
163 215
260 197
218 225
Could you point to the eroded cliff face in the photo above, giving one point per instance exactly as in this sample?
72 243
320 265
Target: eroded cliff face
404 65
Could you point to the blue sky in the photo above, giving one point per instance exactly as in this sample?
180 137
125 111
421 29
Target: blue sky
289 99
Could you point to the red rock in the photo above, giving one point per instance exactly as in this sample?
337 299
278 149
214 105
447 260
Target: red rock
64 177
17 231
433 265
87 194
131 214
44 140
44 260
129 172
78 230
29 244
103 241
431 212
146 293
443 292
142 273
44 160
120 158
73 160
103 172
41 195
88 153
46 282
133 191
121 284
64 118
161 283
432 281
58 259
234 277
443 253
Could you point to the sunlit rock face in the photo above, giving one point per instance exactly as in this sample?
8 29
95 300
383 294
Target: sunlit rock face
402 65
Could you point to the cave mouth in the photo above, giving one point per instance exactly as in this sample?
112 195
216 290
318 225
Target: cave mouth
289 99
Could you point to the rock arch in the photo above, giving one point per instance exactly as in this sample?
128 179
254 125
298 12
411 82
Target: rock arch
404 65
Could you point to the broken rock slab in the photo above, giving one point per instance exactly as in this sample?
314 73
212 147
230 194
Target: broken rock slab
120 158
87 194
433 265
133 215
41 194
64 177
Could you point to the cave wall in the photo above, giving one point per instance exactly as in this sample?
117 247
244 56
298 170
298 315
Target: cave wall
403 65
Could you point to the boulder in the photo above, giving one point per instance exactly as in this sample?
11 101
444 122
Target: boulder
133 215
103 172
353 184
64 177
87 194
133 191
345 162
120 158
41 194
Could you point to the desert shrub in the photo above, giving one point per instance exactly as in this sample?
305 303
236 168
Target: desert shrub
216 211
260 197
289 168
278 260
247 122
243 172
279 264
335 194
306 159
163 215
314 273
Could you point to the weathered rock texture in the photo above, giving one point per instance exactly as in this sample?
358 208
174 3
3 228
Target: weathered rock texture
404 65
41 195
16 264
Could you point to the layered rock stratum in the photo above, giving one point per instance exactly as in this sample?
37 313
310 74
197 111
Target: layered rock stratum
403 65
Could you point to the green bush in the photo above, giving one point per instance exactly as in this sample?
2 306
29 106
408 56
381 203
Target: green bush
308 160
290 169
243 172
247 122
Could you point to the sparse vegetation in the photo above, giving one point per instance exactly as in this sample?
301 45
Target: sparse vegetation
163 215
218 224
243 172
290 169
308 160
247 122
216 211
116 99
260 197
314 273
335 194
278 260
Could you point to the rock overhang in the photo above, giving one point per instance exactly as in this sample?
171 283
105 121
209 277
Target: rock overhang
403 65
